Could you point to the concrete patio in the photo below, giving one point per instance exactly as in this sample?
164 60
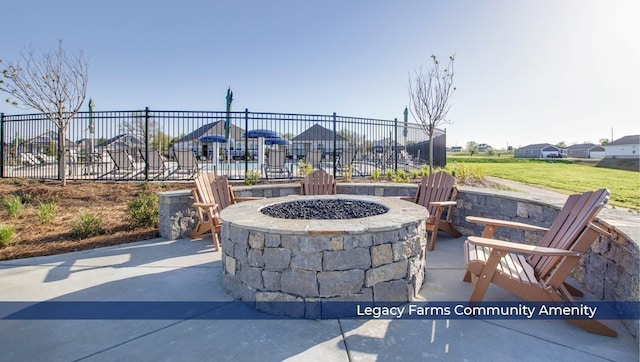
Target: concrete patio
190 271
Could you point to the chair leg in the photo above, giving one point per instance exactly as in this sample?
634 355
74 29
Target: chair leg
216 240
201 228
434 233
468 277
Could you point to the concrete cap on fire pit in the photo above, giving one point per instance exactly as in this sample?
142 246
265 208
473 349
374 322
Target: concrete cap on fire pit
248 215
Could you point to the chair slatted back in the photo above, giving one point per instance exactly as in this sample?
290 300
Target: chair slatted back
222 192
277 158
318 183
186 160
435 188
214 190
122 159
565 233
314 158
347 157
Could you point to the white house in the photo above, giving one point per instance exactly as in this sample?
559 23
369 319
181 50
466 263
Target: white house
625 147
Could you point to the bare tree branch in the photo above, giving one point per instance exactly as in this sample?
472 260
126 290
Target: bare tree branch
429 94
53 83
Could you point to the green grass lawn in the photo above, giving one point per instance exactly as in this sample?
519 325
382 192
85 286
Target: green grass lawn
565 176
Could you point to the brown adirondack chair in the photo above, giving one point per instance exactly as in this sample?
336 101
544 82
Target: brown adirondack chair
212 194
318 183
437 193
541 276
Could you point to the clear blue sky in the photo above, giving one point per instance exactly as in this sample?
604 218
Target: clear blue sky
526 71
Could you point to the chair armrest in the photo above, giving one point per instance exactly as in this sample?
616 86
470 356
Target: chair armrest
247 198
519 248
204 205
444 203
510 224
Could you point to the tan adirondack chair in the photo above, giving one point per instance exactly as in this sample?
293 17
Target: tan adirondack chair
212 194
437 193
318 183
541 276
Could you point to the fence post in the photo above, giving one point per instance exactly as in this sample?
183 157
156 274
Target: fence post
146 143
335 140
246 145
395 144
2 143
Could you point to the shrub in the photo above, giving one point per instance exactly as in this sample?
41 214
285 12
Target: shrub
304 168
87 225
251 177
464 171
144 209
348 173
425 170
390 175
415 174
14 205
47 211
6 235
375 174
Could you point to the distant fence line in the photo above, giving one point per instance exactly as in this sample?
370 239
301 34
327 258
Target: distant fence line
176 145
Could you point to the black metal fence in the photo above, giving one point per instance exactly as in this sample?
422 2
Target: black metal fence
176 145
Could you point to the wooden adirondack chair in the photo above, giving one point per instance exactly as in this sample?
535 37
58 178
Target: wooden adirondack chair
318 183
437 193
212 194
541 276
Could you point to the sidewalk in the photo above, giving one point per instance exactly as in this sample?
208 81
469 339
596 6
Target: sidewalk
624 220
185 270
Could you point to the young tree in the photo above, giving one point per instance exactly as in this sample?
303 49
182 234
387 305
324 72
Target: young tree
53 83
429 93
472 147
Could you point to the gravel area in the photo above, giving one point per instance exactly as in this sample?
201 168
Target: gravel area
325 209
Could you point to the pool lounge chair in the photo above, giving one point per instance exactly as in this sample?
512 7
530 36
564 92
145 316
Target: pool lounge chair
276 163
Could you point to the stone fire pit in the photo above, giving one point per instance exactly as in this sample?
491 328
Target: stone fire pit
309 262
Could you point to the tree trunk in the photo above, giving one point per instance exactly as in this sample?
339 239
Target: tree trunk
430 153
62 162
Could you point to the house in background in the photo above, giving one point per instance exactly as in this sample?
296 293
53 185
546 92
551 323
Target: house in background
586 150
191 141
538 150
46 143
317 137
625 147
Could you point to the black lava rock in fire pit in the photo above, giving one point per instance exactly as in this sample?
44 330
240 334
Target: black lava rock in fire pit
324 209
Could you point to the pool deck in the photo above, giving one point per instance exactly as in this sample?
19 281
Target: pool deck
190 271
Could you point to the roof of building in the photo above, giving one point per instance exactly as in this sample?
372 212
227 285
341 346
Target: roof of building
537 146
318 133
586 147
626 140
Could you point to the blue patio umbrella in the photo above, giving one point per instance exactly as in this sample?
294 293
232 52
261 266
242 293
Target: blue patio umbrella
213 138
91 108
256 133
275 141
227 122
